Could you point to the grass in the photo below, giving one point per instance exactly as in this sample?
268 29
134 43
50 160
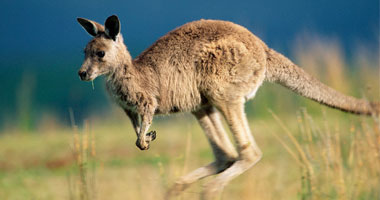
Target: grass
335 163
313 153
311 159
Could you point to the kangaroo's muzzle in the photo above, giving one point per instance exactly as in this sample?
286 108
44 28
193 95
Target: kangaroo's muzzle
82 75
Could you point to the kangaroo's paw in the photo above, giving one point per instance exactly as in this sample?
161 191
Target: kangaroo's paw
143 144
151 136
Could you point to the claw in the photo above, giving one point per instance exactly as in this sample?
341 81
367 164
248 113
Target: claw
151 135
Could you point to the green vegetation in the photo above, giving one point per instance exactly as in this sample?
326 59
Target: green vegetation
310 151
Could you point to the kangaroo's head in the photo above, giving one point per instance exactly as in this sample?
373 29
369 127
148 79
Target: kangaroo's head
106 51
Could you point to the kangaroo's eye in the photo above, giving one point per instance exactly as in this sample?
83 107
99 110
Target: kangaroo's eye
100 54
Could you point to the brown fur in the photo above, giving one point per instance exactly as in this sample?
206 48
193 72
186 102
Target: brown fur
281 70
204 67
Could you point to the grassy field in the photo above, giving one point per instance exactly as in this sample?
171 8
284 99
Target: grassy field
310 152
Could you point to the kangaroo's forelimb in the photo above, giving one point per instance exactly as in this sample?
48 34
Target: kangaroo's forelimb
135 120
144 138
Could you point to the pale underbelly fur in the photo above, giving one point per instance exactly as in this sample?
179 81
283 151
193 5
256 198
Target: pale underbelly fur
252 94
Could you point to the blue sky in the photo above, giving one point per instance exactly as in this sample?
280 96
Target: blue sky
46 27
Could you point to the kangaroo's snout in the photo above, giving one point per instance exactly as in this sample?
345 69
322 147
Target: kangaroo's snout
82 75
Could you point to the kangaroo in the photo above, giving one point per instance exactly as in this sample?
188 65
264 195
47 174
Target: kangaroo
209 68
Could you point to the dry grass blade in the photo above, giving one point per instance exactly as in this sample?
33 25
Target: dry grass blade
308 174
287 148
294 141
84 152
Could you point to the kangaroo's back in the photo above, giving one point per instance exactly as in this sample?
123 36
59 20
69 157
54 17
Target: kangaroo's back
185 42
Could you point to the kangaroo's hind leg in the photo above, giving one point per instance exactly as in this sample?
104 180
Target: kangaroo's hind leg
249 153
224 152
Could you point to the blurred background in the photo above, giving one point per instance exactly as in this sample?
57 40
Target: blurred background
61 138
43 44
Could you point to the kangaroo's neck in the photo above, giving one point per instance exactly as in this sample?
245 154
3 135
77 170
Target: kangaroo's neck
129 81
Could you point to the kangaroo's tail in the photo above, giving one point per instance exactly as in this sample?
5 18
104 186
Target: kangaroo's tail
281 70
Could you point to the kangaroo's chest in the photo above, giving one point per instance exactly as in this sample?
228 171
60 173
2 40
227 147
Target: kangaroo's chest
120 96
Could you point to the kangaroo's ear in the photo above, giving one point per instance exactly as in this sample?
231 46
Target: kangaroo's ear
112 25
91 27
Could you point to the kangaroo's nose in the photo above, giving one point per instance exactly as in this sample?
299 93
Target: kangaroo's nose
82 75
